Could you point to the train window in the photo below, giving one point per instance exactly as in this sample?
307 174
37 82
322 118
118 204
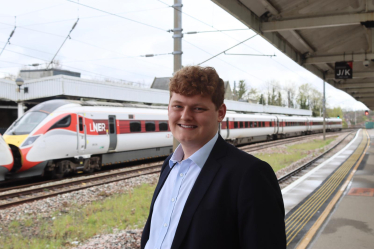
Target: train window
80 124
112 123
250 124
135 126
246 124
150 126
241 124
235 124
271 124
64 122
255 124
163 126
263 124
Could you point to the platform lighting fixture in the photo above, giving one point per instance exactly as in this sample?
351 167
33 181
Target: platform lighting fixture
20 82
367 113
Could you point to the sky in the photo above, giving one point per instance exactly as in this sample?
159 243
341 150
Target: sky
112 36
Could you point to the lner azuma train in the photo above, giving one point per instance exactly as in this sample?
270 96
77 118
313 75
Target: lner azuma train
61 136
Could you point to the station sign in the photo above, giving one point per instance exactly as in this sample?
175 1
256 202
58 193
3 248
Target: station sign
343 70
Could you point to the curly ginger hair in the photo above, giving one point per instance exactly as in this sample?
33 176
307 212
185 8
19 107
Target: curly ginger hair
194 80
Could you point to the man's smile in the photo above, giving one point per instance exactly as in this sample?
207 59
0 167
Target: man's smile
187 126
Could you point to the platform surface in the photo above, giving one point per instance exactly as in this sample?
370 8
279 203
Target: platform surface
351 222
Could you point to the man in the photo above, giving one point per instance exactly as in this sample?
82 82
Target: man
210 194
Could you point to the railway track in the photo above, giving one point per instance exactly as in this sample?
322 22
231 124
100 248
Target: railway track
26 193
42 192
309 163
264 145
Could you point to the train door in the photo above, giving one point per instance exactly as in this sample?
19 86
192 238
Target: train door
112 132
282 125
81 133
275 126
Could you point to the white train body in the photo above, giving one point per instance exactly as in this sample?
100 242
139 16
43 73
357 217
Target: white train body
61 136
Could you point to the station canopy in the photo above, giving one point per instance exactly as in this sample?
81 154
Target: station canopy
317 34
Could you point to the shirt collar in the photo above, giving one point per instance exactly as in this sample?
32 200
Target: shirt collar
199 157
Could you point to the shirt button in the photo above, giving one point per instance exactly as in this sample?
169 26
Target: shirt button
172 199
181 174
165 225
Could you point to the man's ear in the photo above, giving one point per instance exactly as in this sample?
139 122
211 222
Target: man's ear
221 112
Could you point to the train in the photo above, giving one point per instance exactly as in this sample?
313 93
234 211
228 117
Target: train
58 137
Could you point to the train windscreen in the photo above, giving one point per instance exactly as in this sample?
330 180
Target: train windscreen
26 123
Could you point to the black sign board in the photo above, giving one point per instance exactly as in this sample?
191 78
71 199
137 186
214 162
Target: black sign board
343 70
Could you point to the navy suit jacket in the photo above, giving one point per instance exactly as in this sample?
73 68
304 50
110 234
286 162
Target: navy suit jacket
236 202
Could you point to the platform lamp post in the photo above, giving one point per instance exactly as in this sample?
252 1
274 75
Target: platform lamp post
20 82
177 36
324 105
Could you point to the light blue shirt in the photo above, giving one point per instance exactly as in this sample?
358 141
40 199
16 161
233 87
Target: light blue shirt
170 201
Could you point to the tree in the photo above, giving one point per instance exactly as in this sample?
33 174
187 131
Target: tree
242 89
253 95
290 92
316 104
278 100
303 96
262 100
273 89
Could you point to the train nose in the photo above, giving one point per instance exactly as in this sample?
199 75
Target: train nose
6 159
15 142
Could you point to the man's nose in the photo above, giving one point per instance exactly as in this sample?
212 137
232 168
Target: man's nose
186 114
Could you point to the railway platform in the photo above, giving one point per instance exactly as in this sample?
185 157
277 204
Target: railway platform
332 205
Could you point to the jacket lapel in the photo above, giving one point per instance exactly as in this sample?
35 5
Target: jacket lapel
203 181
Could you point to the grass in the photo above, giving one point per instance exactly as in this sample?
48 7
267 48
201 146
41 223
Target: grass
116 212
293 153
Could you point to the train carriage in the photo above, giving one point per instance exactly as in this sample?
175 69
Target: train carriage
61 136
291 126
244 128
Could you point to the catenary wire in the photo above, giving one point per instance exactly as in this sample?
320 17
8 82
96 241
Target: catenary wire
228 49
46 61
88 17
109 13
184 40
232 38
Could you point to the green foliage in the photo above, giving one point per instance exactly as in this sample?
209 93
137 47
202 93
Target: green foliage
117 212
334 112
303 96
242 89
262 100
293 153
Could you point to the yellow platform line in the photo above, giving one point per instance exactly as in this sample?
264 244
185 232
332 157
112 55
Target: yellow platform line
326 189
310 234
311 206
312 213
337 177
331 181
341 175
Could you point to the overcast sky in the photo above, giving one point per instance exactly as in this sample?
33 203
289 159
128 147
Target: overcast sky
105 46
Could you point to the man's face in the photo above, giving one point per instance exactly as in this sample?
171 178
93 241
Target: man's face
194 119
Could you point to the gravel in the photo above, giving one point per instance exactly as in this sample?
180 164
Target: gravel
46 207
121 239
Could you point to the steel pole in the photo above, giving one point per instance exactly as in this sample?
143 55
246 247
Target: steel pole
324 106
177 36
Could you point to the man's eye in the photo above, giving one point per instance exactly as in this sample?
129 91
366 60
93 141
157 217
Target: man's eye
199 109
177 106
